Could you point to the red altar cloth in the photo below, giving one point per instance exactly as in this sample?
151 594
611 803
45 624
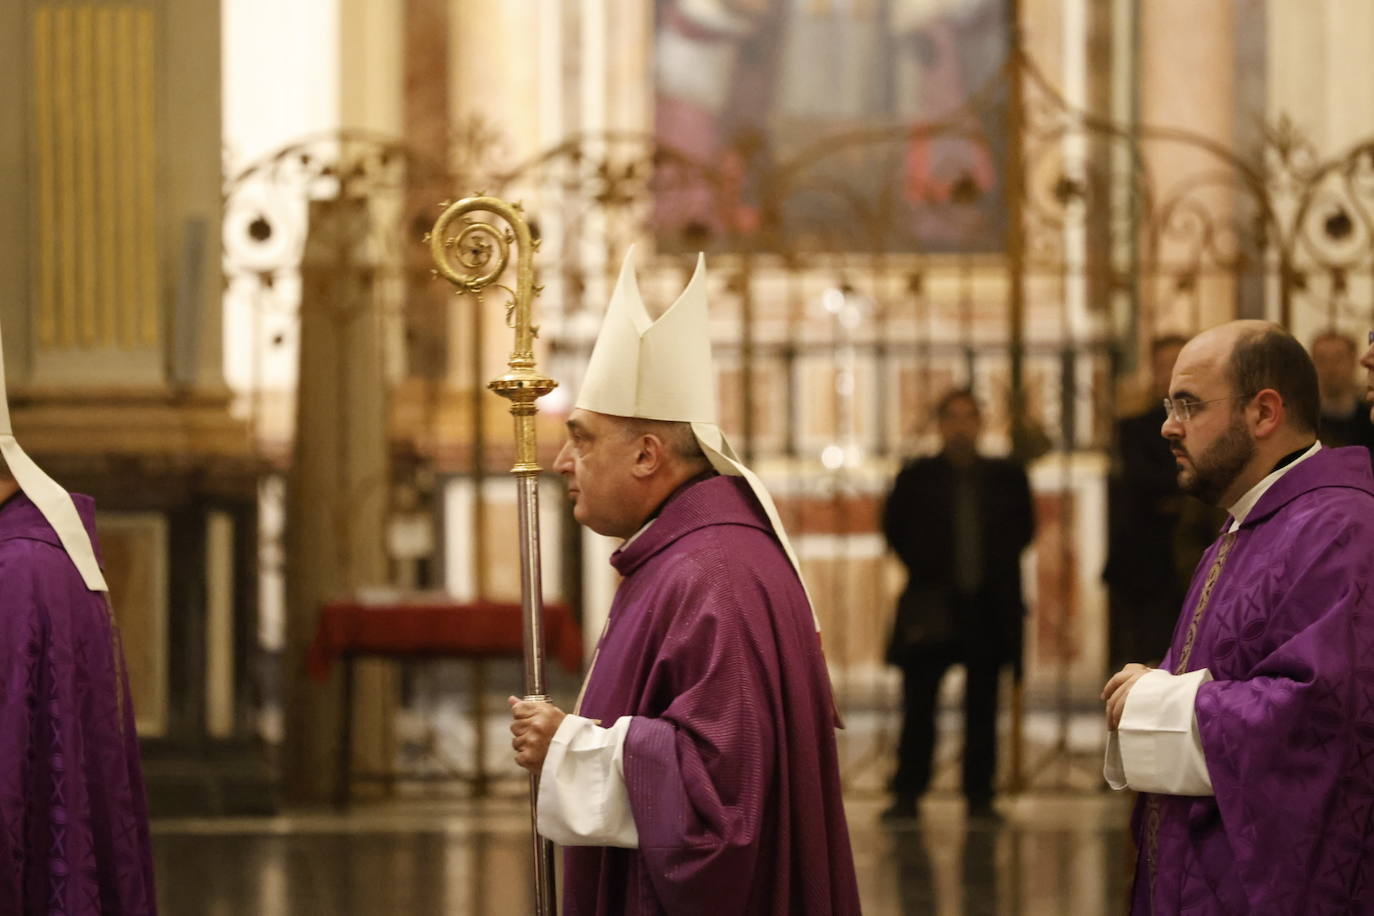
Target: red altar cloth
478 630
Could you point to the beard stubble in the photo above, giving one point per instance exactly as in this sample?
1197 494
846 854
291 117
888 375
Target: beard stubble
1215 469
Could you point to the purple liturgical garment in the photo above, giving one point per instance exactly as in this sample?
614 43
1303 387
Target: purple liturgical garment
73 816
730 761
1288 723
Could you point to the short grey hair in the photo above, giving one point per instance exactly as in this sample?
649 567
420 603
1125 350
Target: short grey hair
676 435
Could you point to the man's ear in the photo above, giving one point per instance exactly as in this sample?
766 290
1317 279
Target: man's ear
1270 413
650 456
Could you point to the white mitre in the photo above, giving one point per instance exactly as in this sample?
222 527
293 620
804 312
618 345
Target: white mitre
662 370
54 502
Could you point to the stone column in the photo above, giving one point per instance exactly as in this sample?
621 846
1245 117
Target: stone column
119 253
338 494
110 260
427 129
111 236
494 82
16 242
1188 82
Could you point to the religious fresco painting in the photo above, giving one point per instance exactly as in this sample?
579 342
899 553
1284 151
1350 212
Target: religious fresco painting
856 125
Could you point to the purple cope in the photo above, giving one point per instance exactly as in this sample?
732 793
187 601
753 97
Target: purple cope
1288 723
730 761
73 815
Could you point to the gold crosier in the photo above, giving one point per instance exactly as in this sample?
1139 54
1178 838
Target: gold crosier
473 259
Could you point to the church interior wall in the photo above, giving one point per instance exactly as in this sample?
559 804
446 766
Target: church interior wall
594 78
110 263
829 356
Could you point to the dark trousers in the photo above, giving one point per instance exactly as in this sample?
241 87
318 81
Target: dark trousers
921 676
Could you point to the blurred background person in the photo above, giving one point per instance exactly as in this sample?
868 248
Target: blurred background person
958 521
1368 362
1154 535
1345 415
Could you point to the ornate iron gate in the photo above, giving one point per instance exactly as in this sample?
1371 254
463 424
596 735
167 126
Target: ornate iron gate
838 321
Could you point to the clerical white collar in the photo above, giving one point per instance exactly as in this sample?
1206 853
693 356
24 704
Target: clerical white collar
1246 503
634 537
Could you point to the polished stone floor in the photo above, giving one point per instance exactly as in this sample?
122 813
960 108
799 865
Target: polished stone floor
1050 854
1059 849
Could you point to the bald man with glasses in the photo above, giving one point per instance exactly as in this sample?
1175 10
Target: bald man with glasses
1252 743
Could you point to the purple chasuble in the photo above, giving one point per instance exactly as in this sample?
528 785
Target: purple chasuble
730 760
1288 723
73 816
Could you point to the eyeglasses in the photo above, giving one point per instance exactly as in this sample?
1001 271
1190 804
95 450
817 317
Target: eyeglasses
1182 409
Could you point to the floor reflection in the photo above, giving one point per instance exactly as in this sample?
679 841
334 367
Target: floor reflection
1047 855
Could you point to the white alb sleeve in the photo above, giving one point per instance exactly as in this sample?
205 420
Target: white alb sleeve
583 800
1158 747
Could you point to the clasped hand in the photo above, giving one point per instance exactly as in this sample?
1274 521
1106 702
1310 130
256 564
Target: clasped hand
1117 689
533 727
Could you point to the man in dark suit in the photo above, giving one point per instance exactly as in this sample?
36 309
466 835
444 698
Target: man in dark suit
1154 535
958 521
